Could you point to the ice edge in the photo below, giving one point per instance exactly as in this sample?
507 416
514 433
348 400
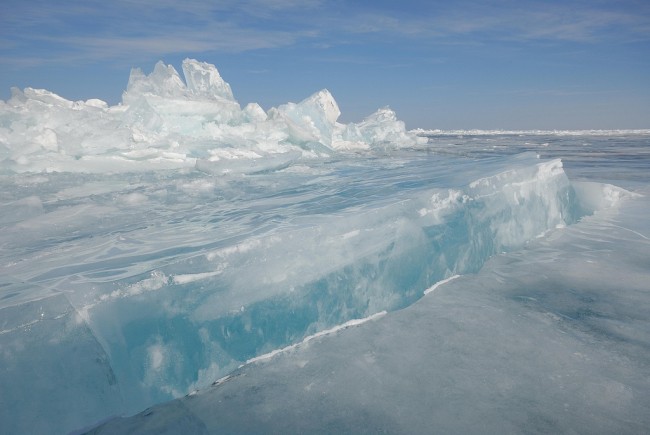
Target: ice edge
440 283
346 325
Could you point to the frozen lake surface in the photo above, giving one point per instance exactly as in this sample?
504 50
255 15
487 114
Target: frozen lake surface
177 263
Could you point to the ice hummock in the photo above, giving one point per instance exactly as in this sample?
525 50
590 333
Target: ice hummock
166 122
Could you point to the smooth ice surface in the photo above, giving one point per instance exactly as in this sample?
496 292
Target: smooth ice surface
152 248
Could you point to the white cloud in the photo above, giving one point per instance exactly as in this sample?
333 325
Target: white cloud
528 21
128 29
224 38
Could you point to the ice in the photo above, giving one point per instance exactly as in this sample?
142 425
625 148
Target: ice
43 360
440 283
381 129
253 113
167 122
312 120
376 279
184 276
203 79
502 351
578 133
164 81
246 163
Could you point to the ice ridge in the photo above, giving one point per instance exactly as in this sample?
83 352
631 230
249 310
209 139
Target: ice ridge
480 132
165 121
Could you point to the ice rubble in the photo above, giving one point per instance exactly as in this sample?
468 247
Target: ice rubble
165 122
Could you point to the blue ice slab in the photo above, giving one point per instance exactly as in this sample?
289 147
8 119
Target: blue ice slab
553 338
181 276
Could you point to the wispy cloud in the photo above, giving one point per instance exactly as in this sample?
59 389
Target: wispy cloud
581 25
128 29
225 38
522 21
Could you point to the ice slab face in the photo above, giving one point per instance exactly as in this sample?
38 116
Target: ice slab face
47 350
180 277
561 350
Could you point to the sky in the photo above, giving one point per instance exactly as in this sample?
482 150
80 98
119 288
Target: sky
504 64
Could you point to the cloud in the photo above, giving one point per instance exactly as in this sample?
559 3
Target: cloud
524 21
128 29
125 29
580 25
224 38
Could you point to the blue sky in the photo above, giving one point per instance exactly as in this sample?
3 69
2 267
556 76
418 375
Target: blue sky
523 64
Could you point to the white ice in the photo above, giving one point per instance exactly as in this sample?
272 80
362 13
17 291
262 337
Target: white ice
166 122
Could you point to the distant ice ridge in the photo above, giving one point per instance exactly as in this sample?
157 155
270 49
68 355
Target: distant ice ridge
167 122
478 132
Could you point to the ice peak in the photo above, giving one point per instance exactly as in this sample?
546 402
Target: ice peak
323 102
41 95
313 120
204 79
385 114
164 81
202 82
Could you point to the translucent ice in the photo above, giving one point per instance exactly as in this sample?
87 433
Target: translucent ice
311 120
549 339
381 129
203 79
167 122
179 277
